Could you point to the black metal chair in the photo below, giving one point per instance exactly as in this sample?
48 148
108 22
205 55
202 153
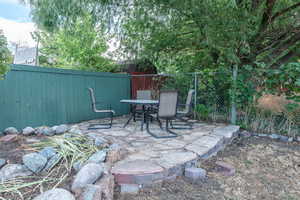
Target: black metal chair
94 107
167 109
183 114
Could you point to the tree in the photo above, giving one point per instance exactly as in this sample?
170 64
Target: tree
258 36
78 47
5 56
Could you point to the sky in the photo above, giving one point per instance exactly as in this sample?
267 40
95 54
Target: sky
15 21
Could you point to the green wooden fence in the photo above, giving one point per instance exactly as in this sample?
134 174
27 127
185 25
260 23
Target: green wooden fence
35 96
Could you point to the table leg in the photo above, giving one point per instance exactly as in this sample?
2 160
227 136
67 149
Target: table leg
143 118
130 118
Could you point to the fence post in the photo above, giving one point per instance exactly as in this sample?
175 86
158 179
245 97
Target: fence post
233 95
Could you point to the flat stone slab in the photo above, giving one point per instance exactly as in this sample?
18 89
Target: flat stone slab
174 159
136 167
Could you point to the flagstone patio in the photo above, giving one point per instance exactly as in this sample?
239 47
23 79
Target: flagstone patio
148 160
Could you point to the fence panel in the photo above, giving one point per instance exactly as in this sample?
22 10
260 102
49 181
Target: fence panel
35 96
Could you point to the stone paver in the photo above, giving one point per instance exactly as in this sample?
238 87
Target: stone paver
150 160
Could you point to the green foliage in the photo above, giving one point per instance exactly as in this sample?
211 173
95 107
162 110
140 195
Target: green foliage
202 112
79 47
5 55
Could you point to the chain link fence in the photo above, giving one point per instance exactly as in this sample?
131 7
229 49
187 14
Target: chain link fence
211 101
218 99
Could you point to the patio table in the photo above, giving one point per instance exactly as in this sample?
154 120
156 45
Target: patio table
142 102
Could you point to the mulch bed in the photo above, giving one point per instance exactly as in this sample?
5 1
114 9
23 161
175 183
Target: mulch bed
264 169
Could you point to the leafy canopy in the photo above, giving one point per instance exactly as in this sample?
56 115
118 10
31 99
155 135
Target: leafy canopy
5 56
78 47
195 35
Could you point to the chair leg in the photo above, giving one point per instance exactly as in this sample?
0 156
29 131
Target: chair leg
187 124
102 126
172 134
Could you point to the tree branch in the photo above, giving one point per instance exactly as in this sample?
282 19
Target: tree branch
284 59
282 12
267 15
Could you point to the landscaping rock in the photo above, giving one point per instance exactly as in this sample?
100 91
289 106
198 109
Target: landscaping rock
107 185
102 189
52 162
11 171
245 134
115 153
9 138
48 152
2 162
34 162
61 129
76 130
28 131
262 135
91 192
274 136
99 142
225 168
195 174
284 138
97 157
11 130
48 131
55 194
54 128
77 165
88 174
40 130
129 188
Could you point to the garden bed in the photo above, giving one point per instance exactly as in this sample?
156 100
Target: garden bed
264 169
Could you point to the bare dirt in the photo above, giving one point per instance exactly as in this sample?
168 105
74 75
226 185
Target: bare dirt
265 170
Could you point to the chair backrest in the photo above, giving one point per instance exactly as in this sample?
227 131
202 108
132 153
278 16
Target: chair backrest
188 103
92 94
167 103
144 94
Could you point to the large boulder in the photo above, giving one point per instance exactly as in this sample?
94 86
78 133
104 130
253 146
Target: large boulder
11 171
88 174
34 162
28 131
55 194
11 130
